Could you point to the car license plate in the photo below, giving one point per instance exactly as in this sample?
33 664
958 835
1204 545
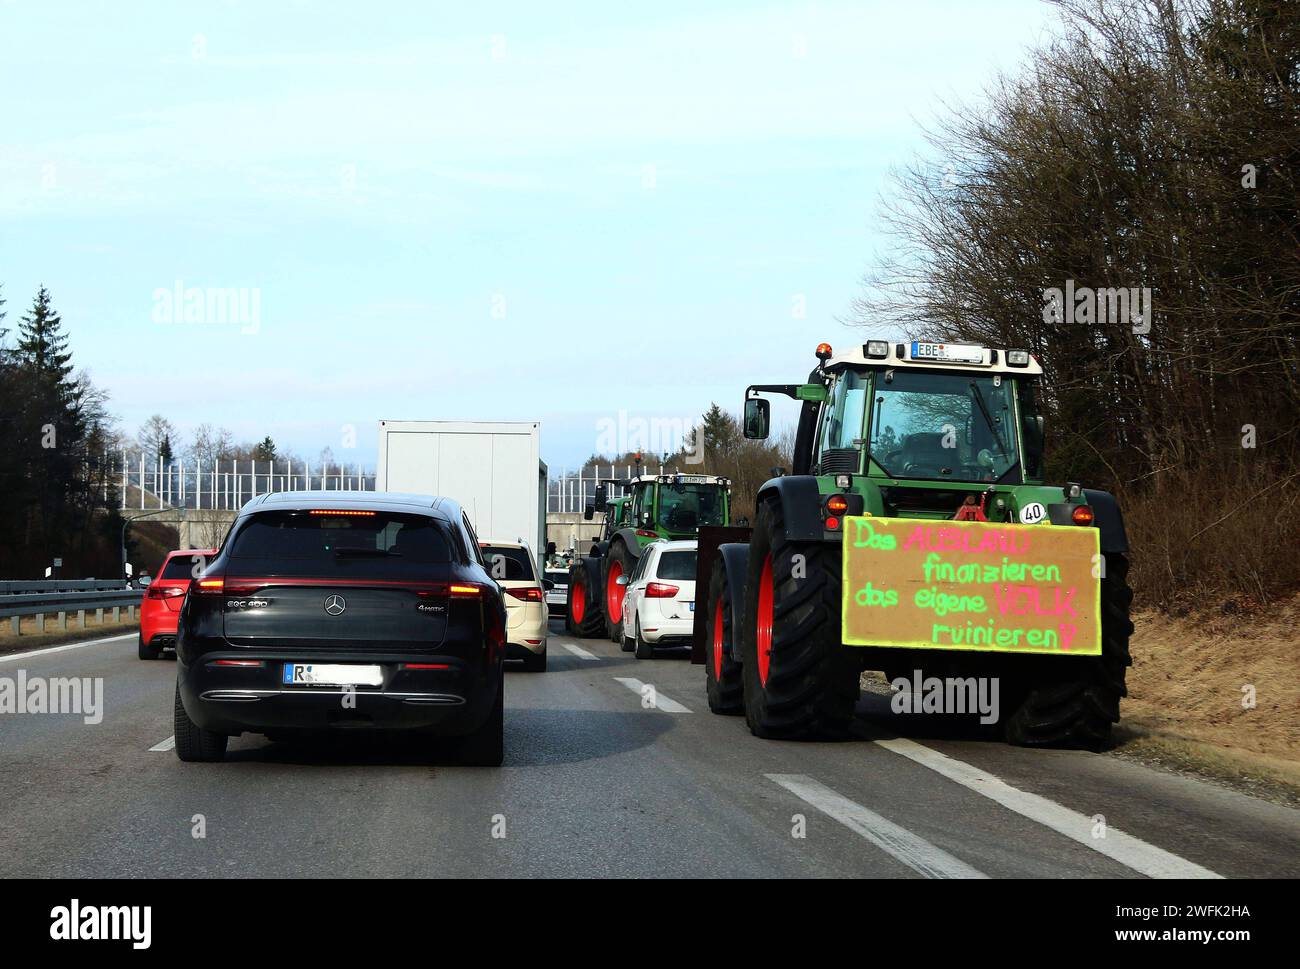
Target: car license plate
692 606
332 674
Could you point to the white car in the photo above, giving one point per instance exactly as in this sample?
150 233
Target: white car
659 602
513 566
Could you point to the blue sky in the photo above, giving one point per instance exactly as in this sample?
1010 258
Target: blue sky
452 211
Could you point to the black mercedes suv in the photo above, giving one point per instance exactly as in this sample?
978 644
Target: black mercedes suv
342 609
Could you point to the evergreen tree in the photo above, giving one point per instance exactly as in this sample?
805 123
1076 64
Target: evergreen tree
265 450
43 346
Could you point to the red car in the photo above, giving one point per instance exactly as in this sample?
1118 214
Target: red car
162 601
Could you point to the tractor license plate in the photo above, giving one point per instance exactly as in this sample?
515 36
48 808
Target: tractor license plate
984 586
946 352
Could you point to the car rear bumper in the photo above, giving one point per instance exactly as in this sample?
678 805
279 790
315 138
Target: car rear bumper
668 632
234 700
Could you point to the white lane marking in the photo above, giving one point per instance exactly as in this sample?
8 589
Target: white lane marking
167 744
912 850
10 657
579 652
1124 848
661 702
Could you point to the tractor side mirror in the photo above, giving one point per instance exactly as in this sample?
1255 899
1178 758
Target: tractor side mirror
757 418
621 580
589 513
602 498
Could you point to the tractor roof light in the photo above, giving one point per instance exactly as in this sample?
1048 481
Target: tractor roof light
1017 358
844 481
824 352
876 349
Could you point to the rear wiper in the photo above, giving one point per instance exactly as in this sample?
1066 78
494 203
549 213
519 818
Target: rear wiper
347 550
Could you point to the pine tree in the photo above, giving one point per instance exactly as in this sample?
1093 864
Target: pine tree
43 346
265 450
720 431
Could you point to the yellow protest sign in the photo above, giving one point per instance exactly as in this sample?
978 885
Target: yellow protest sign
987 586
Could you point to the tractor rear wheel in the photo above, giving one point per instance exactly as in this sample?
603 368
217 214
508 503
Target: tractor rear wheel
723 681
619 562
799 679
1078 711
583 617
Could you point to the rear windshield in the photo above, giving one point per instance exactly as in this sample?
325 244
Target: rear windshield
507 562
374 545
677 565
184 567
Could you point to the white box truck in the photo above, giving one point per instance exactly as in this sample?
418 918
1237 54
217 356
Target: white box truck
493 468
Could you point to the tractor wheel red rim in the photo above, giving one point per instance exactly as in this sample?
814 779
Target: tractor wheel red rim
579 602
614 592
717 640
765 598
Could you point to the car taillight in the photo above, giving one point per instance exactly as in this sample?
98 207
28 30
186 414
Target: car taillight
1082 515
211 586
248 663
527 595
169 592
660 590
464 590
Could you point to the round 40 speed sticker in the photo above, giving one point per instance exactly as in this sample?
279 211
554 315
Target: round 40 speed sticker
1033 513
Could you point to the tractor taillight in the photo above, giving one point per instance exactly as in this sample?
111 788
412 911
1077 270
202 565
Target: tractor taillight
1082 515
832 524
837 504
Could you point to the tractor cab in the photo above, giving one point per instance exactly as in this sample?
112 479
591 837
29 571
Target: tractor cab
927 424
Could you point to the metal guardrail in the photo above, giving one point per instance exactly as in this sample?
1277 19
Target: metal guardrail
42 604
30 586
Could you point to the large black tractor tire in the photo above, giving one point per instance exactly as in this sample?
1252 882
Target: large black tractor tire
800 681
619 561
193 743
1074 702
583 616
723 677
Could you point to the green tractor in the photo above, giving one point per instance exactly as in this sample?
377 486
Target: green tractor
916 536
652 507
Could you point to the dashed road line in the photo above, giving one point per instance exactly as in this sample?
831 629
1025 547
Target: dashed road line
167 744
579 652
911 849
644 690
1124 848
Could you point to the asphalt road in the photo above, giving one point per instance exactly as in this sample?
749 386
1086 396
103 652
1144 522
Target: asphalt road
598 781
